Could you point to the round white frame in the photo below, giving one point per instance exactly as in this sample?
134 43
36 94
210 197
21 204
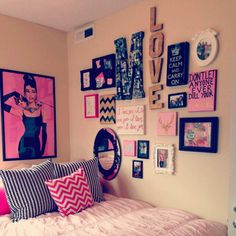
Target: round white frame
210 35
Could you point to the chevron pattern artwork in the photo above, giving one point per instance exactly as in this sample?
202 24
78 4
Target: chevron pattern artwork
71 193
107 109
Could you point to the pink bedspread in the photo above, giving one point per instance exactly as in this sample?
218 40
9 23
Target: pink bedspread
115 217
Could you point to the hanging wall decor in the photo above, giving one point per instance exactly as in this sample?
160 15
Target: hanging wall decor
107 109
104 72
156 48
177 100
86 79
205 47
129 76
143 149
28 115
198 134
137 169
202 91
177 64
91 106
167 123
130 119
129 148
164 159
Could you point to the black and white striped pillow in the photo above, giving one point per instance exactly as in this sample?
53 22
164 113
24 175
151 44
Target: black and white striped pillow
27 194
91 171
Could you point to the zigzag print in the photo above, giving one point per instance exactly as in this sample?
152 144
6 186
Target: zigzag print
71 193
105 119
107 109
107 99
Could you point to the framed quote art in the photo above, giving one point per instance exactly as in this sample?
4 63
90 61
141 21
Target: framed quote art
91 106
28 115
198 134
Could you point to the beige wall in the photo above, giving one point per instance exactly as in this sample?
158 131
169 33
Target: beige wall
200 184
33 48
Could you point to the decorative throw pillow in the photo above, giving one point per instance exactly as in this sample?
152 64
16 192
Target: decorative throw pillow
27 194
4 207
71 193
91 171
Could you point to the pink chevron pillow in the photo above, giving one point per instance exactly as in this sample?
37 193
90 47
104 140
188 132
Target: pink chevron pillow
4 207
71 193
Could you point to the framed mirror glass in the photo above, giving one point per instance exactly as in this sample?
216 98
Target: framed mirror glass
107 150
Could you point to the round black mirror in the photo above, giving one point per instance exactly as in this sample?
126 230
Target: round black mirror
107 150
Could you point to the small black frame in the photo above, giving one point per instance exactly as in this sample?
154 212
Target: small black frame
143 149
86 79
177 100
137 169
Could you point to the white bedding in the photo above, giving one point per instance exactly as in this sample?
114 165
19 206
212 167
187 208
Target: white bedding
115 217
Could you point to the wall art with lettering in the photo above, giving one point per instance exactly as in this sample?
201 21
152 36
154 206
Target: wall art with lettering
130 119
177 64
202 91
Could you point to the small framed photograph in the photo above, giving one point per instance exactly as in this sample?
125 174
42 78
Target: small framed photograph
198 134
129 147
143 149
164 158
91 106
137 169
177 100
86 79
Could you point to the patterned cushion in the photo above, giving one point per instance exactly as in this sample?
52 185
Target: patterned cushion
91 171
71 193
4 207
27 194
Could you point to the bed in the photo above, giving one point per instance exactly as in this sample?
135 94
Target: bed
115 216
33 209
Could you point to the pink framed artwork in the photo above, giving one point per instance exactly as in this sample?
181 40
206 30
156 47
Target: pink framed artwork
202 91
91 106
129 148
28 115
167 123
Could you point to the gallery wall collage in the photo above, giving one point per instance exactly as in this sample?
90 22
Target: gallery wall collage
124 71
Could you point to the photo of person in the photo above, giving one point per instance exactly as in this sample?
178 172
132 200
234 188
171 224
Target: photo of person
162 155
143 149
137 169
28 116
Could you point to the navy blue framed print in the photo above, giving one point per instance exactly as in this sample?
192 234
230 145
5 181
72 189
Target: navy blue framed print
86 79
198 134
177 100
104 72
177 64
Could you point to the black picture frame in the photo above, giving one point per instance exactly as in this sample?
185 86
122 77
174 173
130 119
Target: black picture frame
86 79
137 169
28 112
104 72
143 149
199 134
177 100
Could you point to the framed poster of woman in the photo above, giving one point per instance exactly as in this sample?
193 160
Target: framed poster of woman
28 115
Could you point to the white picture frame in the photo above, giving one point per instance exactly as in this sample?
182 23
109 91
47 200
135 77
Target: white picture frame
164 159
205 47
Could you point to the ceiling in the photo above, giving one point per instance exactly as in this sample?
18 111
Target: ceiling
64 15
